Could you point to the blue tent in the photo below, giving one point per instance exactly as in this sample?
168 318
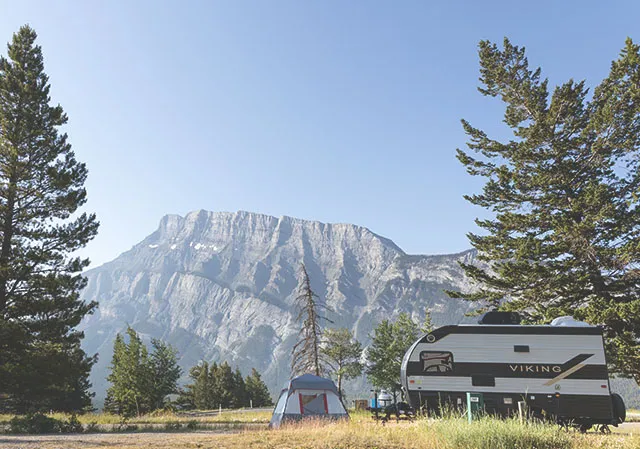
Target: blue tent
308 396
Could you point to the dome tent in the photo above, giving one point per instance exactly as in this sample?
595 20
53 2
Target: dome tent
308 396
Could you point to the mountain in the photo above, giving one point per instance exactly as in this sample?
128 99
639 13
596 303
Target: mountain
220 286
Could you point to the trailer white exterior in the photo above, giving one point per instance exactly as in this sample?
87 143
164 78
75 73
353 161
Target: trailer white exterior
559 371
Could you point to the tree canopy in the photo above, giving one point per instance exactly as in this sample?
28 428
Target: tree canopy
564 237
42 366
139 381
216 386
342 353
257 391
390 342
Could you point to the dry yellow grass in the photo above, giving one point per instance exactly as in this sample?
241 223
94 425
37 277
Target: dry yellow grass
230 416
358 433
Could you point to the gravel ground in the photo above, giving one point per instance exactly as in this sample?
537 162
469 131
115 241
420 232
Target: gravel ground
110 440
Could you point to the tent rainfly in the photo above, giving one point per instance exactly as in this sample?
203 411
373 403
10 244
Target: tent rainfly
308 396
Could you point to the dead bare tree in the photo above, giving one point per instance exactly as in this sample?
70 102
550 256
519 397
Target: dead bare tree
306 356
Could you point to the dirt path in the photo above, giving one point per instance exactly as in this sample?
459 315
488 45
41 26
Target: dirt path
628 427
154 440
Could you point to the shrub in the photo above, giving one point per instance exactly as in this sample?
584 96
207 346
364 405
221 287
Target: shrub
72 425
41 423
172 425
124 426
92 427
163 413
34 423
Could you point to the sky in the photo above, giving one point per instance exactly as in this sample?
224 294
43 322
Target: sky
335 111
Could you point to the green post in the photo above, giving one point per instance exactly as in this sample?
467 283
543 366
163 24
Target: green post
475 403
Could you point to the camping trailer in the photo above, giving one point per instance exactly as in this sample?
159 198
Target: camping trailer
308 396
559 370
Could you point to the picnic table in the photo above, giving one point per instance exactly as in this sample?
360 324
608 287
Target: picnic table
401 410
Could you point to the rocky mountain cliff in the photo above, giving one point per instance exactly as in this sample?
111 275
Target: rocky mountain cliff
220 286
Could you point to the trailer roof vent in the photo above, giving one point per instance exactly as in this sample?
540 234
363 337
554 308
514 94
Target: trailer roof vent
496 317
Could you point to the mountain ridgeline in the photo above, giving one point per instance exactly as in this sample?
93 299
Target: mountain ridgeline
221 286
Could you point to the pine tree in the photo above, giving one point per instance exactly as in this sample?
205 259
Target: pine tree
216 386
185 400
257 390
563 192
306 356
427 324
224 385
240 397
202 387
165 372
131 390
70 391
199 393
214 395
187 395
111 404
390 342
342 354
41 189
140 381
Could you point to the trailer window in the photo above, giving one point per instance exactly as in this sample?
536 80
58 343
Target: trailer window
436 362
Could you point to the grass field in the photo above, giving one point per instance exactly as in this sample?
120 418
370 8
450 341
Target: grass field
230 416
360 432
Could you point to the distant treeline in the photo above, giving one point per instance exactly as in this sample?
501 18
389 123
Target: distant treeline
141 381
216 386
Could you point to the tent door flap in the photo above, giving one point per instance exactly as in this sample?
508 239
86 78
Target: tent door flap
313 404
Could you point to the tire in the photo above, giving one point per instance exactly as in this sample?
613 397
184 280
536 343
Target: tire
619 409
584 427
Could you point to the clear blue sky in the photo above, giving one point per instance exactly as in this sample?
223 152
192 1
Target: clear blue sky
328 110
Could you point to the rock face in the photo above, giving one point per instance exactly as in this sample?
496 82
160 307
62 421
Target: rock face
220 286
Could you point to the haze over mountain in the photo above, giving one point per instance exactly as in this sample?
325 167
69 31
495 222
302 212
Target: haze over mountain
220 286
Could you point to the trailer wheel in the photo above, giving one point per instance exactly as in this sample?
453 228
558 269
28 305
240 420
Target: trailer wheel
619 409
604 429
584 427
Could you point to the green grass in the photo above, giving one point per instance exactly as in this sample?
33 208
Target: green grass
492 433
